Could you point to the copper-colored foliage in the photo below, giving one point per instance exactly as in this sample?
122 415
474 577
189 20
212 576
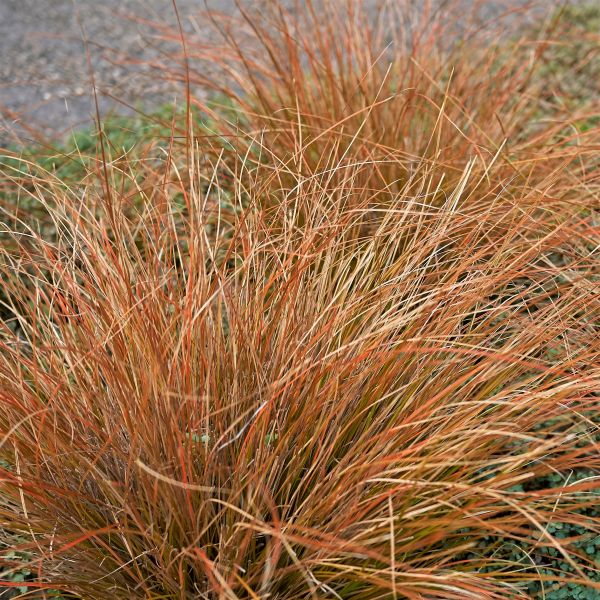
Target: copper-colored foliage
326 358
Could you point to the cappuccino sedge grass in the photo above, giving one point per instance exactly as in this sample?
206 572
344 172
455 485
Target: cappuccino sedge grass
326 346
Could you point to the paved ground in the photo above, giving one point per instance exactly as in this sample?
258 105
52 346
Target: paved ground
44 78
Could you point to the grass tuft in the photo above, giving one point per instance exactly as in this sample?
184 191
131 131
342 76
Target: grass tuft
338 341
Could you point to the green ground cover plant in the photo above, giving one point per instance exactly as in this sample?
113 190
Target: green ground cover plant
340 340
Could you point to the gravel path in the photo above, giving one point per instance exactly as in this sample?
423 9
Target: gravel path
44 78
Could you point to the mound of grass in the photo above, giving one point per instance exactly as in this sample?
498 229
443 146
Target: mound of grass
343 342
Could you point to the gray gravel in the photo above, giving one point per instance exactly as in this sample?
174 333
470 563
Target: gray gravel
44 78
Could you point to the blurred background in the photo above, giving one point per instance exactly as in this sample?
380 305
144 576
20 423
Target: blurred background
46 81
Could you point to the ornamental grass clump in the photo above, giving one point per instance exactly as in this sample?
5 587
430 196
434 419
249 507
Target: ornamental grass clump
328 350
